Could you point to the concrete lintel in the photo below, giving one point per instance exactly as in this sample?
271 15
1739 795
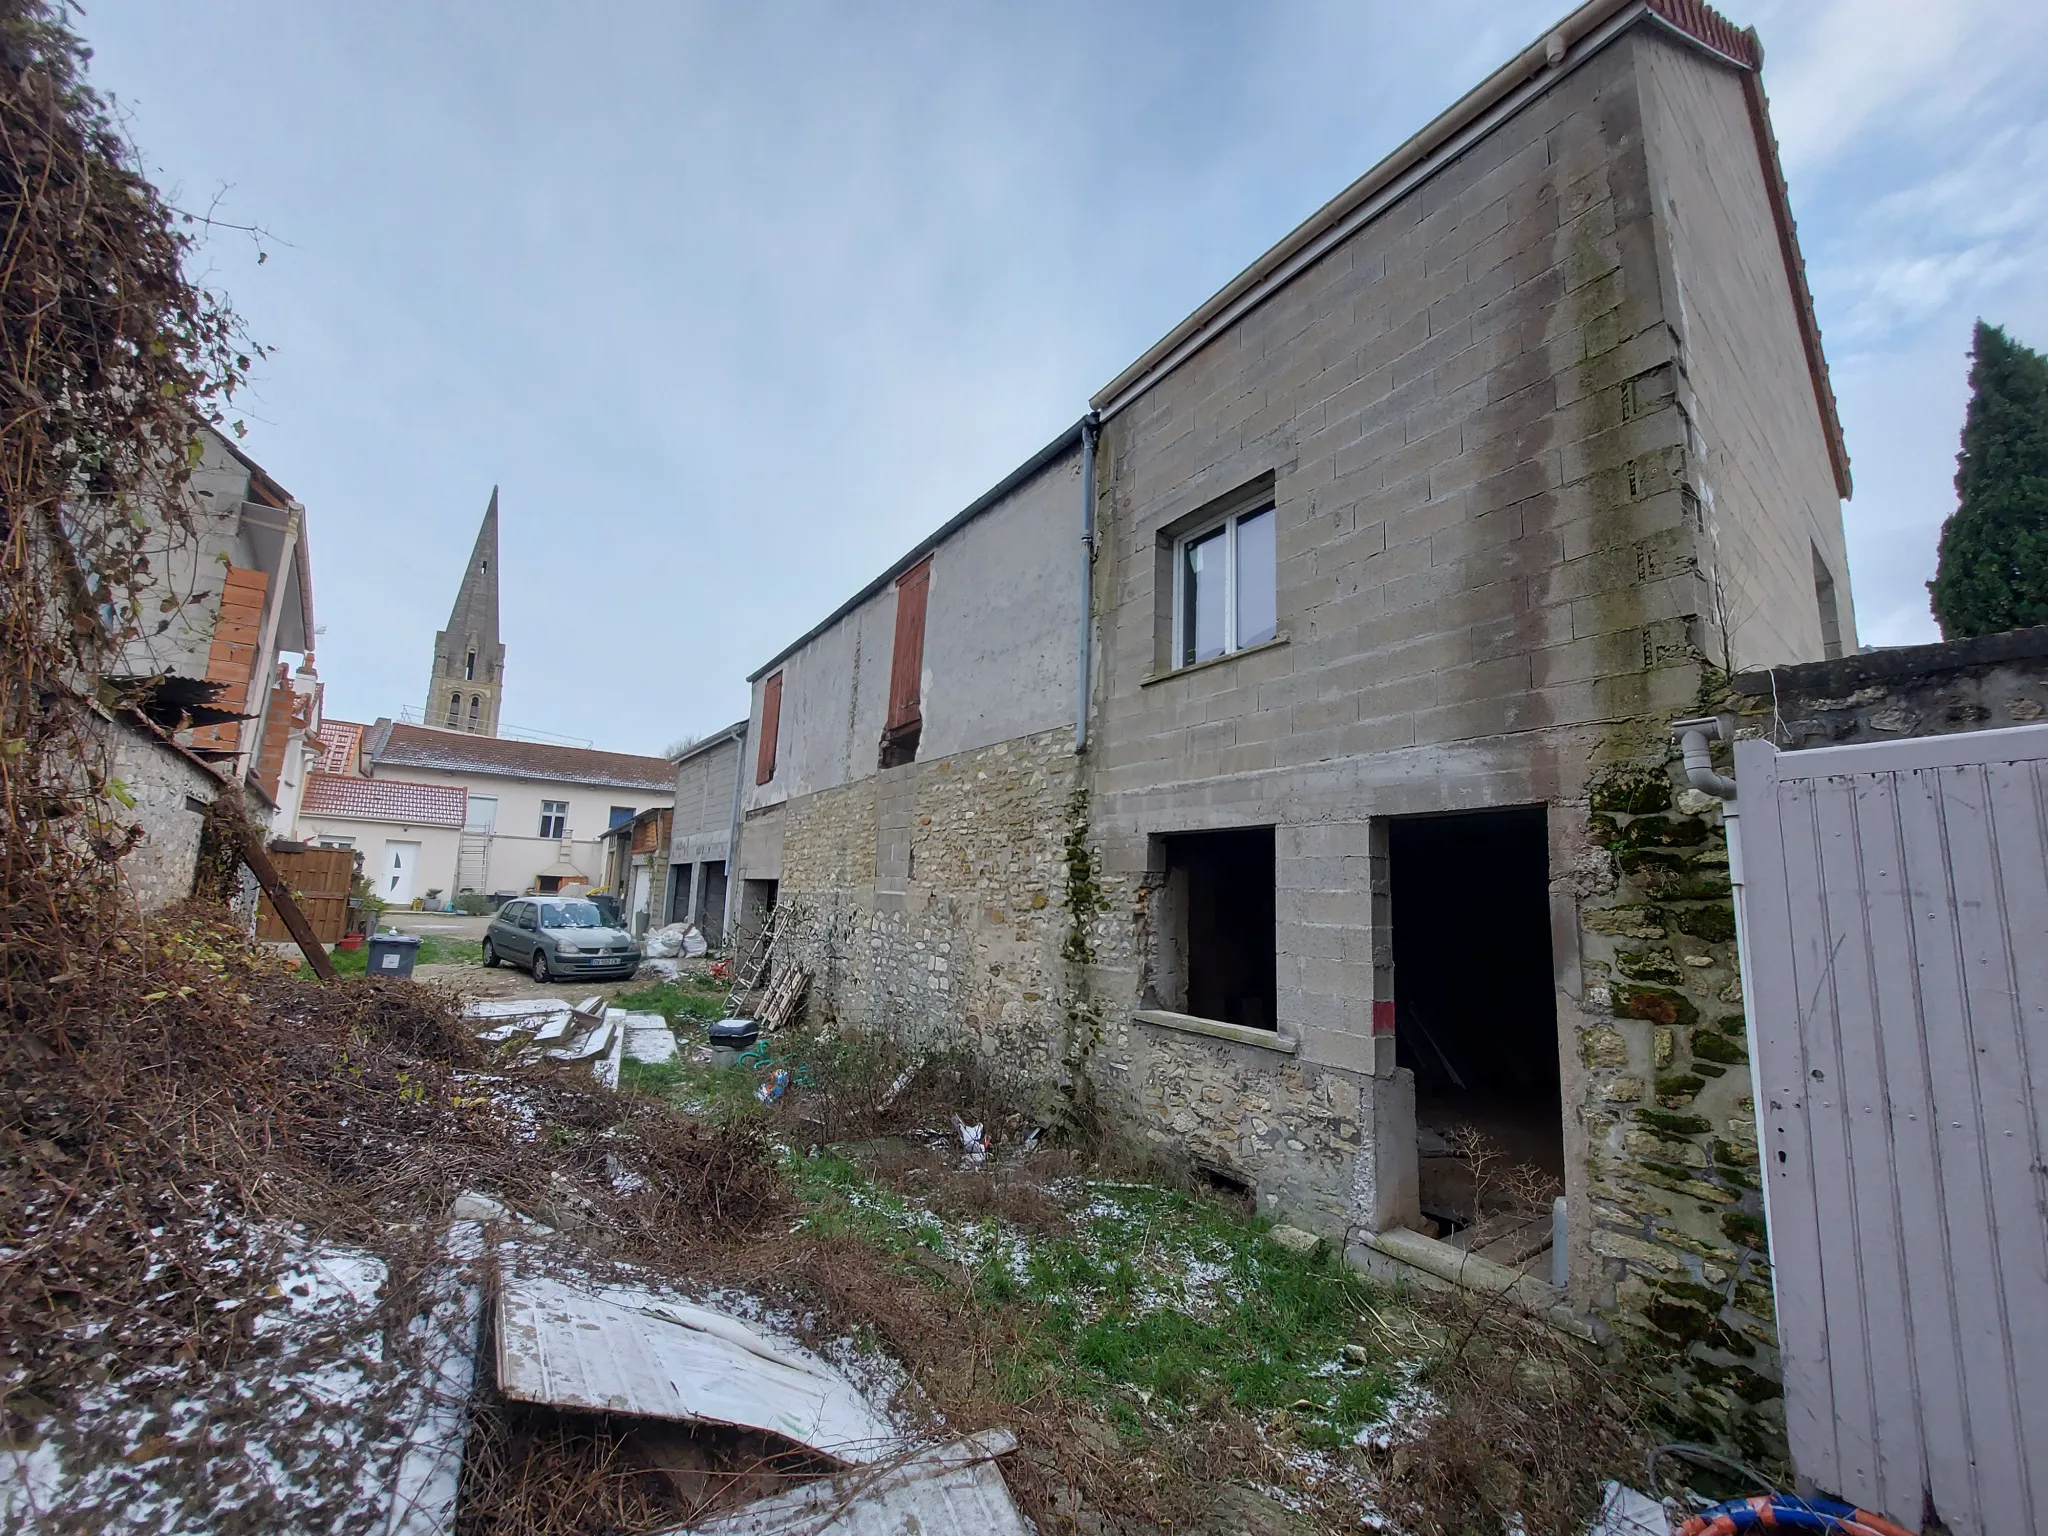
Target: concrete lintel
1399 1254
1237 1034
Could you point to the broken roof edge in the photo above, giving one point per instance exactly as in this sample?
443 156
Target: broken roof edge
732 732
1583 33
1067 442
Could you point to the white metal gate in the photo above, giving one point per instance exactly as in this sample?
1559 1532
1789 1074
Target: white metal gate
1895 916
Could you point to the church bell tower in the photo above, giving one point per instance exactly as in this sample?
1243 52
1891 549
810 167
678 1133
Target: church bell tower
469 660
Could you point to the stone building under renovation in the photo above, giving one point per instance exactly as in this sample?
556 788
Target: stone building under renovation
1278 763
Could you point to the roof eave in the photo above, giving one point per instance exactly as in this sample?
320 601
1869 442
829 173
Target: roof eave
732 732
1067 442
1582 34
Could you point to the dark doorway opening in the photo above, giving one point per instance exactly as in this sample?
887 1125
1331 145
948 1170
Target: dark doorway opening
711 916
1216 952
1475 1013
757 902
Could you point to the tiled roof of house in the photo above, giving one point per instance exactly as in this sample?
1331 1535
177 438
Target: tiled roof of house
415 746
338 741
425 805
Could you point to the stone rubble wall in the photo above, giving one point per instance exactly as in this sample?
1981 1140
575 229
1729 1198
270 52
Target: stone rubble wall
959 945
1676 1219
170 793
1985 683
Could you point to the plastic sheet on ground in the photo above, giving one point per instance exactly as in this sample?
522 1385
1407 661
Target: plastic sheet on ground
1625 1512
625 1349
950 1490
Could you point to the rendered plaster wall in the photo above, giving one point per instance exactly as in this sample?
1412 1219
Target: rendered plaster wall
1002 618
703 804
1769 498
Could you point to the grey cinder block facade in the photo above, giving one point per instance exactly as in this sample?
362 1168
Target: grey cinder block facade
1338 645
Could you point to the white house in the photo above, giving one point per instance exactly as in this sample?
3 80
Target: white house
446 812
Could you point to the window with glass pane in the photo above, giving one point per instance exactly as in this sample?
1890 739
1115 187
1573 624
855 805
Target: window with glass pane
1205 583
1227 576
1257 611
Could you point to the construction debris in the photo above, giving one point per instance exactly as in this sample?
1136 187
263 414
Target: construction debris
623 1349
950 1490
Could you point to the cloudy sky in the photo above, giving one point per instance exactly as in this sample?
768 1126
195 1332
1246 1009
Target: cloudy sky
737 301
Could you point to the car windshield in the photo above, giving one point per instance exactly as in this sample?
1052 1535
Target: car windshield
571 914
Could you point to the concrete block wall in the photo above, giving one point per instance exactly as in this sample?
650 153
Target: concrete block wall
1766 481
1490 428
704 804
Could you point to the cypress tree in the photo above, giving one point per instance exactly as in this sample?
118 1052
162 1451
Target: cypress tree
1993 570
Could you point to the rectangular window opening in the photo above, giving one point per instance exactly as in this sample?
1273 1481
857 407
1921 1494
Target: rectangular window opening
1830 610
904 724
1475 1014
1225 578
620 815
554 818
771 729
1216 956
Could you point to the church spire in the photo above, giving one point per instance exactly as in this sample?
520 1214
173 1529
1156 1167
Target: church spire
469 659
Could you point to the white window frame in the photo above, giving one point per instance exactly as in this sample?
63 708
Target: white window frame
1227 522
330 840
559 815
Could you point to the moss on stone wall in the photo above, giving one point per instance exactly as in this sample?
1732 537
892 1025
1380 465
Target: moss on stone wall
1671 1131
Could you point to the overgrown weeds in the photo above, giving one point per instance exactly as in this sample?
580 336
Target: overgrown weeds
1516 1422
681 1002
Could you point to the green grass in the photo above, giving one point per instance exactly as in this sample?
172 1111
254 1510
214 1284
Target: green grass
677 1000
1156 1304
708 1092
432 951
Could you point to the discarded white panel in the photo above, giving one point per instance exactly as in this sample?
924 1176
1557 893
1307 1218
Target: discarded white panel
607 1068
1624 1512
593 1043
429 1469
622 1349
542 1017
649 1039
951 1490
512 1007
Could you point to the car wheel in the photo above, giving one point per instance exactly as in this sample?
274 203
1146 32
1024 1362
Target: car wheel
490 955
540 964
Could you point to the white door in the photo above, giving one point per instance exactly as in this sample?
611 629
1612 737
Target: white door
643 891
401 863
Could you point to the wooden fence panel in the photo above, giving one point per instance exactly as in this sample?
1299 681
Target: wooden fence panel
319 880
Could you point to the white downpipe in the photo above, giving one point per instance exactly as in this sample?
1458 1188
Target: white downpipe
1694 737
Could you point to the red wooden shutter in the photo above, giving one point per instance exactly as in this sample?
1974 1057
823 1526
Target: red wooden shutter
771 726
906 674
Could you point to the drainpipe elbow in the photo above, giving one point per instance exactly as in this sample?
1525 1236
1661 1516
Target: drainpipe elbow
1694 742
